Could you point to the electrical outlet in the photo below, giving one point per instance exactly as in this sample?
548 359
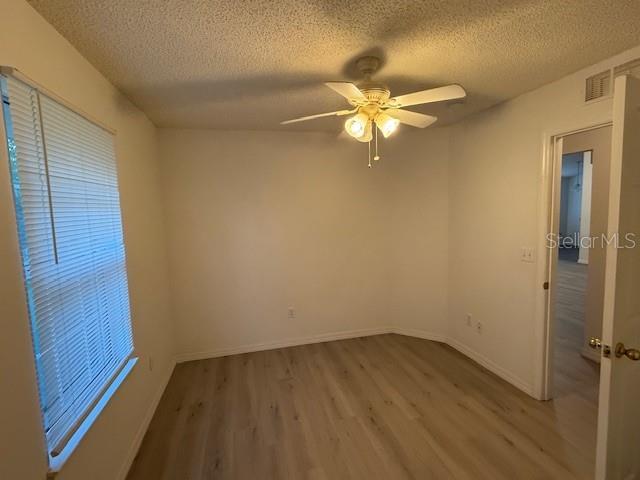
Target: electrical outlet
479 327
469 319
527 254
292 312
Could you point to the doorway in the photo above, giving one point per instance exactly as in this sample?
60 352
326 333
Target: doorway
617 430
578 220
580 224
576 369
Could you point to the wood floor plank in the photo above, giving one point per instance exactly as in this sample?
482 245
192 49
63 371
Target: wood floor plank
383 407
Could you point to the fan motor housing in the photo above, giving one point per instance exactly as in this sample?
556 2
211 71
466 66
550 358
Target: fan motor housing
377 93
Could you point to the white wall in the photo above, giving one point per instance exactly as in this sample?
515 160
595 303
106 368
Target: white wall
495 172
585 206
261 221
418 249
255 234
30 44
574 192
564 205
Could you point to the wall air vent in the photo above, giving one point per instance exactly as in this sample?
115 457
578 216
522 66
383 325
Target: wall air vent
629 68
598 86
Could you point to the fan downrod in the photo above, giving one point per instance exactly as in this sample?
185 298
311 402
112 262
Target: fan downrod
368 65
375 92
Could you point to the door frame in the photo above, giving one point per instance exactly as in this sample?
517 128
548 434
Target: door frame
548 223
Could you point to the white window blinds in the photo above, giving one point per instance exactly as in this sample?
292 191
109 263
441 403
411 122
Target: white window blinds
69 226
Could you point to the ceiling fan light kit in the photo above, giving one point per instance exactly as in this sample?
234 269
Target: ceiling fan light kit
386 123
357 126
373 104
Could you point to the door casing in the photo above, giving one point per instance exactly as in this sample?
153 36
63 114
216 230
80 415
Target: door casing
548 221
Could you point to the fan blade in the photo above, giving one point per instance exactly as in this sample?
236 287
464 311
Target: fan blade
347 90
311 117
415 119
439 94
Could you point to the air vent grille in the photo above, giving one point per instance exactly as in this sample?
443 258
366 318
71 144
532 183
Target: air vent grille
598 86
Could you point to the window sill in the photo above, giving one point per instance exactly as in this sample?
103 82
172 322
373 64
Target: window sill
56 463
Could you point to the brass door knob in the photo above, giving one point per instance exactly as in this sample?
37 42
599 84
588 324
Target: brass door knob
596 344
630 353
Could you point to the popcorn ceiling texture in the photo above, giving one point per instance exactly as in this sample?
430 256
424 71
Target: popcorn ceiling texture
250 64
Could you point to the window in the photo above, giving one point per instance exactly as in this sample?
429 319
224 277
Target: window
67 207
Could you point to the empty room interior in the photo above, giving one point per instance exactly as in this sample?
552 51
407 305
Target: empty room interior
319 240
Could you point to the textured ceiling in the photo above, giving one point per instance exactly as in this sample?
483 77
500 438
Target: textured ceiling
251 64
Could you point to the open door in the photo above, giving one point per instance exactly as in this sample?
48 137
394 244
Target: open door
618 451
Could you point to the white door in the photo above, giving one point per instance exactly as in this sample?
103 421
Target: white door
618 453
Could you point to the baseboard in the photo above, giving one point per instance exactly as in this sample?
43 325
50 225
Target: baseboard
137 440
410 332
292 342
473 355
492 367
328 337
417 333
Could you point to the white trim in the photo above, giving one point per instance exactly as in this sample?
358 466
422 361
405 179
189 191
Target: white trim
292 342
493 367
543 325
416 333
544 264
56 463
142 430
117 377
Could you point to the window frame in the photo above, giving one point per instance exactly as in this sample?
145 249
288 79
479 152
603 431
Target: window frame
58 457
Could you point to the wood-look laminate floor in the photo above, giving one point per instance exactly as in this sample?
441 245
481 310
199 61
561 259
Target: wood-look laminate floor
384 407
574 374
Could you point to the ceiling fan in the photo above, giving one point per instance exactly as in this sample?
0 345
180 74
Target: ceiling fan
372 104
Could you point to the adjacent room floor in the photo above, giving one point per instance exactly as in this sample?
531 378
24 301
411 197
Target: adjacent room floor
576 378
383 407
574 374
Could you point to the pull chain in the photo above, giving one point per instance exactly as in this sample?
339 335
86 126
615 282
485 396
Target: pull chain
376 157
369 156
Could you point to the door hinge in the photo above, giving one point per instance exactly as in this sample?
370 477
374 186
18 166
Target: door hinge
545 286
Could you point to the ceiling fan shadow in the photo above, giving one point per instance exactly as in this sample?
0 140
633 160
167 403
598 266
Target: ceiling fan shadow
351 71
189 93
